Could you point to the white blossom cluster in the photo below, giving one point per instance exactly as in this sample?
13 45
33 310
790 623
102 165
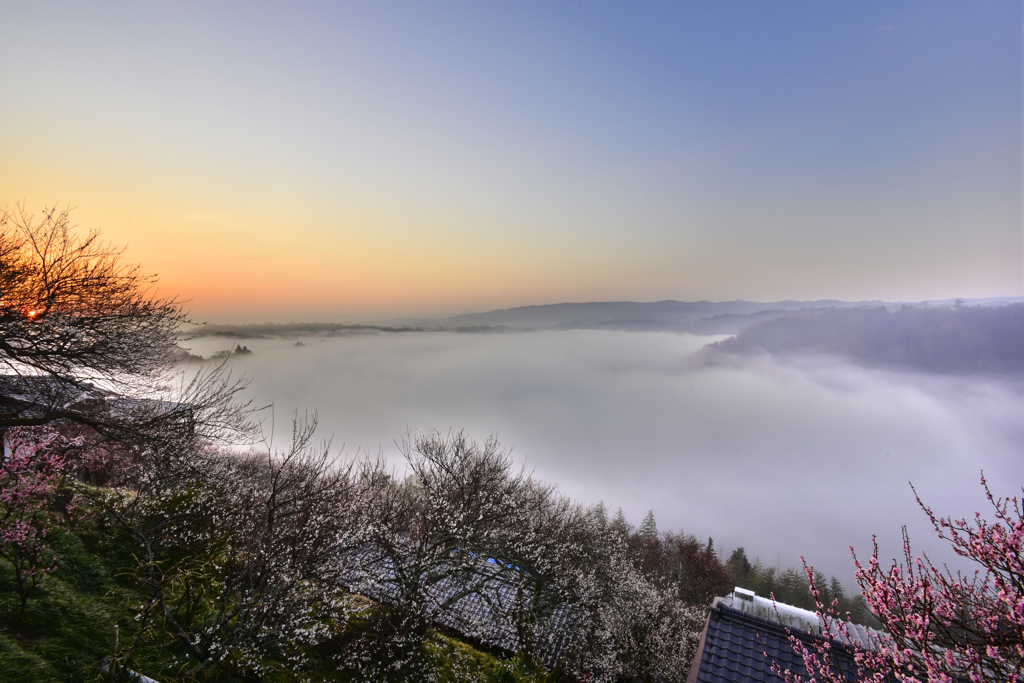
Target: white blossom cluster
249 560
470 544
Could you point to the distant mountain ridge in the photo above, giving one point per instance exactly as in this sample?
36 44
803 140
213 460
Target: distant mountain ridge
695 317
699 317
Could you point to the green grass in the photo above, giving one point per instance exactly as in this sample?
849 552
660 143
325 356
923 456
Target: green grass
453 661
68 627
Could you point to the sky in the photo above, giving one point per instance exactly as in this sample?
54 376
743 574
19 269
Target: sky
358 160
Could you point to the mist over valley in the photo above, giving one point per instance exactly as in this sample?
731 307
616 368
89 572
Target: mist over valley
793 449
477 342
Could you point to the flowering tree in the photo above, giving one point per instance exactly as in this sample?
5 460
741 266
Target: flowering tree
460 530
29 506
941 626
628 626
237 552
469 542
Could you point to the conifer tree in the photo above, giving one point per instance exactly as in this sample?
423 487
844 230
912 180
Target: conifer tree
619 522
649 528
739 567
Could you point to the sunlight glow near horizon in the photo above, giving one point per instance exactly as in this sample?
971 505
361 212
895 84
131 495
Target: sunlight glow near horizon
391 159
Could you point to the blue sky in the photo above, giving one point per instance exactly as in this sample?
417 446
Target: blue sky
365 158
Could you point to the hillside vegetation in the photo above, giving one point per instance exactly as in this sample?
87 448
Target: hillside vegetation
68 632
219 565
957 340
204 586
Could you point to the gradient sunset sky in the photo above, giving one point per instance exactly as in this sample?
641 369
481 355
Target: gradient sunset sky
369 159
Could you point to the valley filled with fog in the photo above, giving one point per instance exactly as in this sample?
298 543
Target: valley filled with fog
806 456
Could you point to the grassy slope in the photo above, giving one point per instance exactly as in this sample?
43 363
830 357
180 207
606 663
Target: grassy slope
69 625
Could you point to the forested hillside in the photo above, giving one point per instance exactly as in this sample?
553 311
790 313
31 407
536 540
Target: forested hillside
229 567
954 340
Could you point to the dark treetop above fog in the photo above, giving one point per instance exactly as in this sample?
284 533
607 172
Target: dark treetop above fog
957 340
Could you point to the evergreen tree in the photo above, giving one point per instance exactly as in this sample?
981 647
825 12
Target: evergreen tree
739 568
619 522
792 588
835 590
601 514
649 528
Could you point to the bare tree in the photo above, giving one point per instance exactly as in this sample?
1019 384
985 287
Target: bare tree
85 337
70 309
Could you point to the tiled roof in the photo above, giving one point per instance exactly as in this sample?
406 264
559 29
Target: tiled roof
735 644
34 397
802 619
42 397
483 611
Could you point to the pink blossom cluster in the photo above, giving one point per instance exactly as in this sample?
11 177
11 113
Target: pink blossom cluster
940 626
29 480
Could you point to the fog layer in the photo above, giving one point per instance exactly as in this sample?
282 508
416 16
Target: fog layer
803 457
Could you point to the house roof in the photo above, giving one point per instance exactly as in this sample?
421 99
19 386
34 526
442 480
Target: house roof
34 399
28 397
483 612
740 646
802 619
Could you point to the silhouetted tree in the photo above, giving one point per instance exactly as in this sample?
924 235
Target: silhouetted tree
85 337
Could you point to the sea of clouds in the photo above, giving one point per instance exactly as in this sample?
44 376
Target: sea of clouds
803 457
